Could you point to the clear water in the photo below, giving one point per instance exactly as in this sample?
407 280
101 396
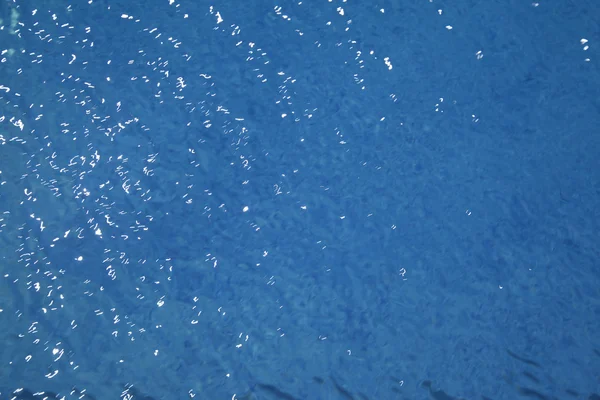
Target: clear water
299 200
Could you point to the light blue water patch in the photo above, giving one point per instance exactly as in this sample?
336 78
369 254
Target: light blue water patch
299 200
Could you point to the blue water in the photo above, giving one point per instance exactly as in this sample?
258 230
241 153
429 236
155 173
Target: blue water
299 200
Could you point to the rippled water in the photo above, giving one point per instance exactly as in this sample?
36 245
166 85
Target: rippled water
299 200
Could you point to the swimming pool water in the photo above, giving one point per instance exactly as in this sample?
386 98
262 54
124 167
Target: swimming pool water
299 200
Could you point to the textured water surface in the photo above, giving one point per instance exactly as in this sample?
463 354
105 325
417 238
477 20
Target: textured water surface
299 200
